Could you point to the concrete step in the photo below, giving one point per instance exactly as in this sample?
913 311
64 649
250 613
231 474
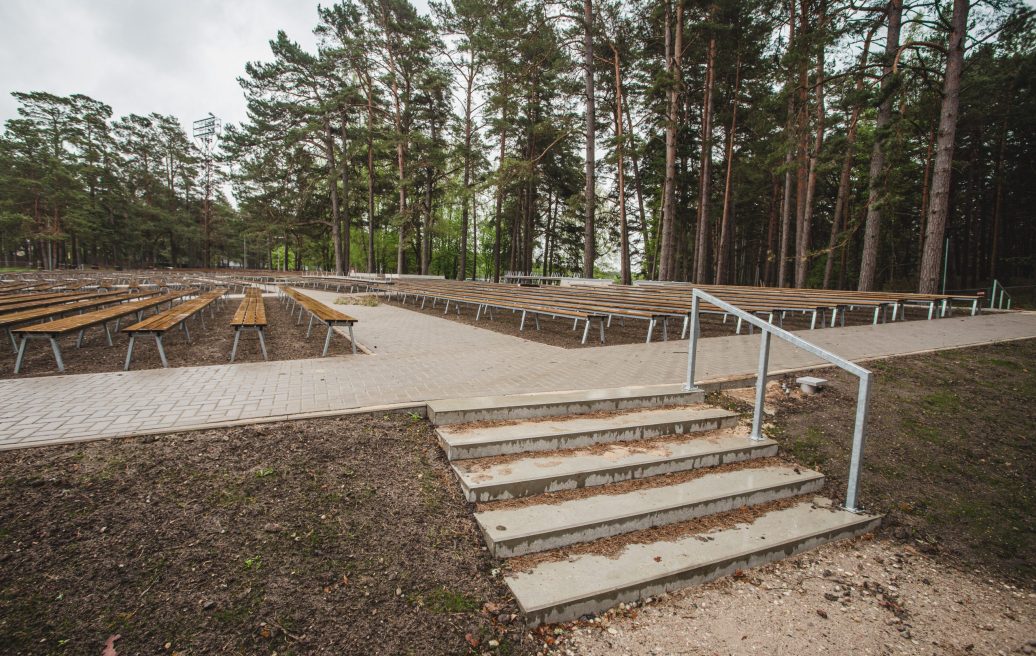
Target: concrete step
578 468
519 531
579 431
558 591
553 404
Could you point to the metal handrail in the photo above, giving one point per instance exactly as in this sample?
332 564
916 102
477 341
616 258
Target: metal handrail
767 329
998 303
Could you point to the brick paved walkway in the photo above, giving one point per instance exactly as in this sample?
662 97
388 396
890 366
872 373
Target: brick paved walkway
417 358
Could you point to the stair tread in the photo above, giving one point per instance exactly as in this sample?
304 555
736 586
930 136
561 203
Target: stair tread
474 475
578 424
537 519
551 584
569 396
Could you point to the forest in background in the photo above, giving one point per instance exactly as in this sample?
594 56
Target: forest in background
813 143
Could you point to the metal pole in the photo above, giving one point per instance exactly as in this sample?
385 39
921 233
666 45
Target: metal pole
760 386
859 439
692 346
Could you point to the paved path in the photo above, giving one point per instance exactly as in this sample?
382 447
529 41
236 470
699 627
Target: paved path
417 357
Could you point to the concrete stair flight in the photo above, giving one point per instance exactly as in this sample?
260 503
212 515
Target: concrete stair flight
556 473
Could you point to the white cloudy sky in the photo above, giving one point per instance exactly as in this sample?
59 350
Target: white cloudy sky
179 57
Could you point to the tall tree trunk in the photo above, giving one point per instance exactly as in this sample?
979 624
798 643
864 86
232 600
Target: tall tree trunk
938 209
462 268
726 228
371 266
789 156
625 275
926 188
347 224
499 198
332 183
589 237
674 53
805 241
640 193
872 226
701 247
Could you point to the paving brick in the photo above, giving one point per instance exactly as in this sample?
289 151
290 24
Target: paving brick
421 357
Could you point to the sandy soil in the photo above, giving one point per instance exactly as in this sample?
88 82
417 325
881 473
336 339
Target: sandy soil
210 344
871 596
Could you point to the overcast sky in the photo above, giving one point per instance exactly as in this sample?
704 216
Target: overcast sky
179 57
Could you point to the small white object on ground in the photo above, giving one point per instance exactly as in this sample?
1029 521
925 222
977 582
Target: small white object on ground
810 384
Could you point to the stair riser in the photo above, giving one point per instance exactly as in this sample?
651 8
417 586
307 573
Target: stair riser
580 439
534 410
514 490
573 535
695 576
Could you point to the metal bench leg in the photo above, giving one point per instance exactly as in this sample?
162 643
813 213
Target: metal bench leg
161 351
601 322
665 329
536 318
351 340
14 342
79 338
262 341
129 352
108 333
57 353
478 312
187 330
521 326
237 336
21 354
586 331
327 340
651 330
309 329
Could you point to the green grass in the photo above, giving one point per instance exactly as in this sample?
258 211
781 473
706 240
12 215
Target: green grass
809 447
442 600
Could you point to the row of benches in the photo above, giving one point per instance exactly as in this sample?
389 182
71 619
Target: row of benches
102 309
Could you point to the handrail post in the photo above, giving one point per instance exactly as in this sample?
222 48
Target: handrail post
859 440
692 345
760 386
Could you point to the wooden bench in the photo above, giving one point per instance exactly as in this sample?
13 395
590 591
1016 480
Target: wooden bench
250 315
159 324
51 330
320 312
10 320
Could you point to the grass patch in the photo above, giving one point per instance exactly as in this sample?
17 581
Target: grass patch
948 457
442 600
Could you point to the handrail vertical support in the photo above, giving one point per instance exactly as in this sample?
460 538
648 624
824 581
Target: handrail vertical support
760 386
853 491
692 346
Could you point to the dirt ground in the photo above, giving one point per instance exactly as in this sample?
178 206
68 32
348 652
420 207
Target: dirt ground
332 536
949 458
868 596
558 332
210 344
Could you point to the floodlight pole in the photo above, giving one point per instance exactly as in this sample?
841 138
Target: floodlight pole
206 132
